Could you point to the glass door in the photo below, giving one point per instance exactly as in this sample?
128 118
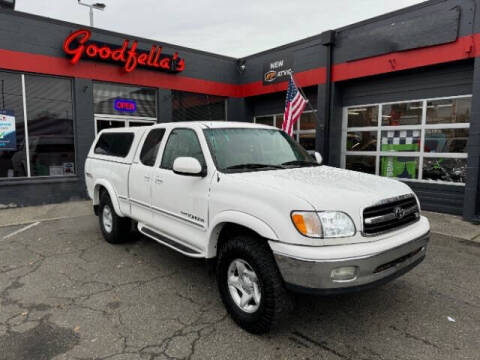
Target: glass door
132 123
101 124
104 122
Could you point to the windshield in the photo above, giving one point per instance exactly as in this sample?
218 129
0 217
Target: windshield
246 149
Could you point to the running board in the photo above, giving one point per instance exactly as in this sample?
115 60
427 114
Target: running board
169 242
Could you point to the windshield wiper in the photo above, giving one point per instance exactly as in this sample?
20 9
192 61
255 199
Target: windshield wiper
300 162
253 166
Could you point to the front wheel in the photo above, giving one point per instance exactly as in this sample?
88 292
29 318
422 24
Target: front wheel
250 284
115 229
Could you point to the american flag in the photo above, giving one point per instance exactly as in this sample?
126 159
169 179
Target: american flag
294 106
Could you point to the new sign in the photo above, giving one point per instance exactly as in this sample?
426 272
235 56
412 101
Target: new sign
277 70
78 45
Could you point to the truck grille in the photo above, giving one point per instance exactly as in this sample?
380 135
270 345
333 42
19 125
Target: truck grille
390 214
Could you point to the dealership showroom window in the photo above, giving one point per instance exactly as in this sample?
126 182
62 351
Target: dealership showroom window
304 129
424 140
38 140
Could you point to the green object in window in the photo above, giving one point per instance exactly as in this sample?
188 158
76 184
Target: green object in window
399 166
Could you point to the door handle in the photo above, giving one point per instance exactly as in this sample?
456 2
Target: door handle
146 178
158 180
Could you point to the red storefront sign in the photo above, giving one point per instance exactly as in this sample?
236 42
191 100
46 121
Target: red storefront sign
77 45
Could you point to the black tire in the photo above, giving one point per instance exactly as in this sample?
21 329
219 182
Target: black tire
119 229
275 301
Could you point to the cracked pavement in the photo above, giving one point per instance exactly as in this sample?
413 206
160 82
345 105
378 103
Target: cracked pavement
67 294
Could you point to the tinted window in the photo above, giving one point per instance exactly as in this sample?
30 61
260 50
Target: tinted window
182 142
150 146
187 106
108 98
448 111
13 159
402 114
50 125
114 144
363 116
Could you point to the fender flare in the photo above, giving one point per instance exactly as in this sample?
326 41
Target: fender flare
239 218
111 192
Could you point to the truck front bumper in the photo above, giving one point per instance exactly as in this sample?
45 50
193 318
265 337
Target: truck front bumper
320 276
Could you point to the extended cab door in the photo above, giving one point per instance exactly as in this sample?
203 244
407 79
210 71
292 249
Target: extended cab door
140 176
180 202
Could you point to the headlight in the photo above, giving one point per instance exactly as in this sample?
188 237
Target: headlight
323 224
336 224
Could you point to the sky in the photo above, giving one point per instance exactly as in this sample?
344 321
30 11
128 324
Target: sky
234 28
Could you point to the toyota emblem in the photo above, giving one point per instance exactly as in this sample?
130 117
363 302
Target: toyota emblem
399 212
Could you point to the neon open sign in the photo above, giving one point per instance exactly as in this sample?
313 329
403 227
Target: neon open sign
125 105
77 45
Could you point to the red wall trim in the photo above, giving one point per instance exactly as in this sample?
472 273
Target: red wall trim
464 48
51 65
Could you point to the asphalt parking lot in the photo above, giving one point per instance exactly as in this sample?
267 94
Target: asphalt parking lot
67 294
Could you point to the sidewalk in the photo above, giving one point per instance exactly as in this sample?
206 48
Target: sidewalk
27 215
444 224
454 226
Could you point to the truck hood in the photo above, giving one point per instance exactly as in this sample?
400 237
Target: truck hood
329 188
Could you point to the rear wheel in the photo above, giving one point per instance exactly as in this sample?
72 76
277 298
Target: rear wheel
115 229
250 284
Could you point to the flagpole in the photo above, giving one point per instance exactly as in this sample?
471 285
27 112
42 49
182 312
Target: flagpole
305 96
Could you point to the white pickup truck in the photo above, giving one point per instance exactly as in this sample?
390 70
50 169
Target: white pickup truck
269 214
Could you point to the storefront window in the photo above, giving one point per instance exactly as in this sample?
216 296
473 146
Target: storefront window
402 114
445 169
446 140
308 121
421 140
307 141
48 150
279 121
13 159
362 141
109 124
364 164
127 101
449 111
266 120
363 116
303 132
50 126
187 106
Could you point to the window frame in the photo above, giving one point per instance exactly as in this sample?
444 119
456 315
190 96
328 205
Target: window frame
26 143
297 131
160 165
423 127
124 120
127 117
163 130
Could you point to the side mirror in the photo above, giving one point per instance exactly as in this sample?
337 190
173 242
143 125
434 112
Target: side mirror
188 166
318 157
